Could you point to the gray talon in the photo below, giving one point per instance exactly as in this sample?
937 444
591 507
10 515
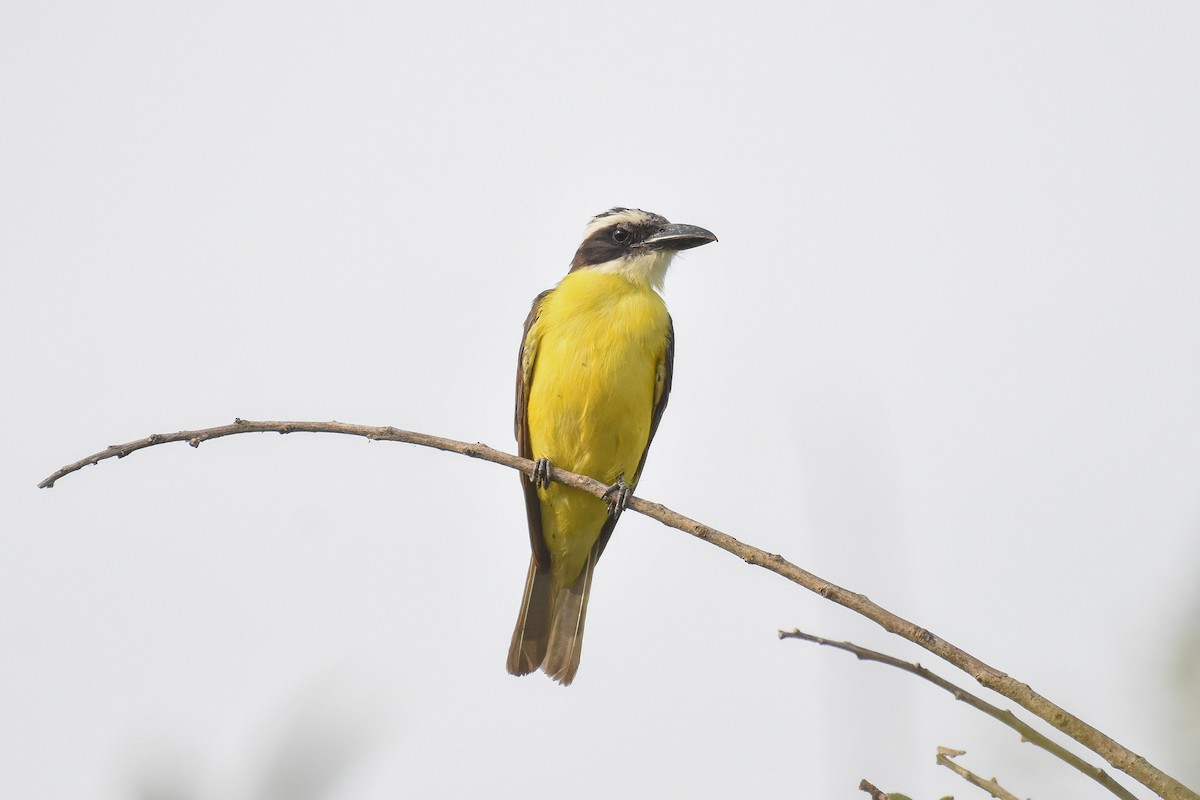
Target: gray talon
617 497
541 473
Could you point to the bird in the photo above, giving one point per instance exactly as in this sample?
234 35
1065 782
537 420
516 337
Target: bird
593 378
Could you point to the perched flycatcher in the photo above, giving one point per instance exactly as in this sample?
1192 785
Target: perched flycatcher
592 381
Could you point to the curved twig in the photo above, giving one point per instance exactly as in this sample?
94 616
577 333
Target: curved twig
1028 734
1115 754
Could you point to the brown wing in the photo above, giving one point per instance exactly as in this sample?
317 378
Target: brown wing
526 358
662 391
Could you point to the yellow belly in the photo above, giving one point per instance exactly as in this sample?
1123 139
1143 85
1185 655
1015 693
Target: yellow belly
600 340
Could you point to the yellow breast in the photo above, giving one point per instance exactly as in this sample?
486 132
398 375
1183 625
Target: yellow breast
600 340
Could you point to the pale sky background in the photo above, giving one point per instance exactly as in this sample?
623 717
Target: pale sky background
946 353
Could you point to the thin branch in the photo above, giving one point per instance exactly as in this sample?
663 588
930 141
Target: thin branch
945 756
1028 734
1120 757
869 788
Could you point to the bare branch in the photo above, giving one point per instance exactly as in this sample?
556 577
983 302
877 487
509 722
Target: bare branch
944 758
870 789
1028 734
1115 754
386 433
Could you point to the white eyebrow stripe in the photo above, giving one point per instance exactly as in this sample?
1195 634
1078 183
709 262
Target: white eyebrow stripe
630 216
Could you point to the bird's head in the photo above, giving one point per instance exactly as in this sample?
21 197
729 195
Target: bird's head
635 244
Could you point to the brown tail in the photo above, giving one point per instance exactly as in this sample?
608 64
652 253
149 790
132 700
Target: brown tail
549 632
532 634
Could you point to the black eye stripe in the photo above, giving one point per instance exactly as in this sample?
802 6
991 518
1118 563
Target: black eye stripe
604 245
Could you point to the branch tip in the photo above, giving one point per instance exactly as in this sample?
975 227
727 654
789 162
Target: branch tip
1005 716
870 788
992 787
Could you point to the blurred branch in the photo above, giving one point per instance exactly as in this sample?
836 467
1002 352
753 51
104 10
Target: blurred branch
1120 757
1028 734
870 789
944 758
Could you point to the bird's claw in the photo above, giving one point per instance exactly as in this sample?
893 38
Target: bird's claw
617 497
540 477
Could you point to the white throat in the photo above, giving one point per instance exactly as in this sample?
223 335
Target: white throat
641 269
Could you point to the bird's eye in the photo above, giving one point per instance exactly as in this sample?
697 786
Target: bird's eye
620 236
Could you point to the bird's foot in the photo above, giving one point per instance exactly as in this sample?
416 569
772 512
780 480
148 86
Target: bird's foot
541 473
617 497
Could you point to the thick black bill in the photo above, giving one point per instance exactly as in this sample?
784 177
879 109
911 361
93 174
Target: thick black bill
678 237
